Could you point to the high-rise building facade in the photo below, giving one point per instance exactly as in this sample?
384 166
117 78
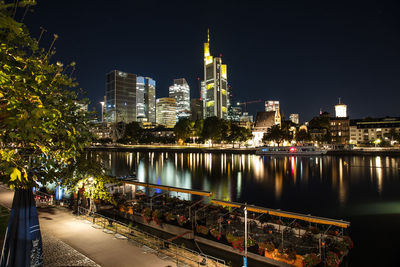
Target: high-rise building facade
181 92
196 107
294 118
215 90
166 111
271 105
120 103
150 99
129 97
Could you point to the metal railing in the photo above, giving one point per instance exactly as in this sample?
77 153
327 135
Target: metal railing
164 249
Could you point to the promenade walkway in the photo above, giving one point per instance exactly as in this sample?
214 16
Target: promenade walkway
96 248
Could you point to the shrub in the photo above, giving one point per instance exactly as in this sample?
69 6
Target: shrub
157 216
291 252
332 259
202 229
270 246
237 243
182 220
215 233
311 260
146 215
229 237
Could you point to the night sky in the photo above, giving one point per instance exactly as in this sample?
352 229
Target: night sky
306 54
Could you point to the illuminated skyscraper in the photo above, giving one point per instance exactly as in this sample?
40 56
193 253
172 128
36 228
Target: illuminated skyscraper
129 98
166 111
150 99
271 105
120 97
215 90
181 92
294 118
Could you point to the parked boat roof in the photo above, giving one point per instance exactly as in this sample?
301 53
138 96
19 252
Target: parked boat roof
287 214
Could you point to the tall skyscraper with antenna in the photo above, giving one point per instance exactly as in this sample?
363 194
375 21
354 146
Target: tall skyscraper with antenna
215 90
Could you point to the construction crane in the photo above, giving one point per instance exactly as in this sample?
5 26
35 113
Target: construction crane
248 102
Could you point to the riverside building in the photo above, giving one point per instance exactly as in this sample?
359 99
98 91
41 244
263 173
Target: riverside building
180 90
129 98
166 112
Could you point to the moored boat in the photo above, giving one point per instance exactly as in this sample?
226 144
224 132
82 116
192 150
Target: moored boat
290 151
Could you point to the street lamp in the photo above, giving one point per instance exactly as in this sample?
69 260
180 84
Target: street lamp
245 235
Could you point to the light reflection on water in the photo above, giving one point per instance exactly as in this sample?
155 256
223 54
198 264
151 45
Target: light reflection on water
319 185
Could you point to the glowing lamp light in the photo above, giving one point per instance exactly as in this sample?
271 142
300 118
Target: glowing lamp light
292 149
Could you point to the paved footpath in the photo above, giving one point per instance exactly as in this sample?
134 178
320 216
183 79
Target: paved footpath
95 245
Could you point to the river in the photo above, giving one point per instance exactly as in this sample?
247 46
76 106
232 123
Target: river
364 190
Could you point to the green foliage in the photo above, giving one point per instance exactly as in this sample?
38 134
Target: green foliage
277 134
43 127
183 129
302 135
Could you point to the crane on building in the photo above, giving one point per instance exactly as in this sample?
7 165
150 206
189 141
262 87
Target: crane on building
244 104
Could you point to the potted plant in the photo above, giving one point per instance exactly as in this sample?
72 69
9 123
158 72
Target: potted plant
157 215
169 217
332 259
237 243
269 246
202 229
182 220
146 215
229 237
215 233
311 260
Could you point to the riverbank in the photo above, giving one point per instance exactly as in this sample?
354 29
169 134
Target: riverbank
230 150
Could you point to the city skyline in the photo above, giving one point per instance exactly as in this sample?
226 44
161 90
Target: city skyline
325 53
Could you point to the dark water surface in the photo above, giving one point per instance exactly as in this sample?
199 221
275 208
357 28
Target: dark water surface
362 190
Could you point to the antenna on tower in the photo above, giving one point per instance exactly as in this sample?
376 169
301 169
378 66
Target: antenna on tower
208 35
320 111
339 100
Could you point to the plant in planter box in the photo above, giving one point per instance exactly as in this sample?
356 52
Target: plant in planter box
146 214
291 252
182 220
261 247
202 229
157 216
332 259
229 237
311 260
269 246
237 243
250 242
215 233
169 217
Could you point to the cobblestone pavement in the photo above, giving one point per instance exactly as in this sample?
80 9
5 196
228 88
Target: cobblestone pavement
57 253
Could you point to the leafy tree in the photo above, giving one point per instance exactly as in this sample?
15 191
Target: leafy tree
276 134
213 129
133 133
238 134
302 135
43 128
183 129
